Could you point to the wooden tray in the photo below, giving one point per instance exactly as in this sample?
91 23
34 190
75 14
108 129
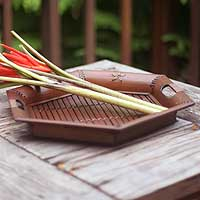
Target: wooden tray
55 114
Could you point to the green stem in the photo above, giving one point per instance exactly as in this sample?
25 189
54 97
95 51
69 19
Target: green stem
101 90
6 85
87 84
83 92
42 58
29 54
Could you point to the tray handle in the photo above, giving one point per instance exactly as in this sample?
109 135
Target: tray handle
18 108
170 94
170 90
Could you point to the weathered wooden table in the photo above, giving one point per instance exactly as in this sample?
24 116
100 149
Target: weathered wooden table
164 165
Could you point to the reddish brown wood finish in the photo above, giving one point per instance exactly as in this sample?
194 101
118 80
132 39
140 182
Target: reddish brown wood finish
90 33
126 30
161 25
50 26
6 21
194 66
56 114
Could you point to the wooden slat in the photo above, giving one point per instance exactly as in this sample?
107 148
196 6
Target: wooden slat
51 33
90 32
6 21
24 176
126 31
161 62
157 168
194 66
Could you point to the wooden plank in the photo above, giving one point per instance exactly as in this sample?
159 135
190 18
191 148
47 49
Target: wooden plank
126 31
50 30
24 176
157 168
6 21
90 32
194 65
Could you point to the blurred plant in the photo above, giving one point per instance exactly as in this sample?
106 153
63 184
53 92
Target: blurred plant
106 20
179 45
184 2
69 5
27 5
108 28
35 5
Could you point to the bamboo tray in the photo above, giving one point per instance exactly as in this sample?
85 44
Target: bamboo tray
55 114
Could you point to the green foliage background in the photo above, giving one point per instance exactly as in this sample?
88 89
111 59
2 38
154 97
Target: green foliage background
107 22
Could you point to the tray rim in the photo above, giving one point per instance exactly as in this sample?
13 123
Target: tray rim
108 127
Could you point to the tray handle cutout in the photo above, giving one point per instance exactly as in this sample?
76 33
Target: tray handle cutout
171 95
19 104
168 91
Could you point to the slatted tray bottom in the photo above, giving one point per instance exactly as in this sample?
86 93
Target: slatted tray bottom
55 114
74 108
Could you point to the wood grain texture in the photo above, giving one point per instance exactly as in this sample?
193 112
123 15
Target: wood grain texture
23 176
155 167
145 167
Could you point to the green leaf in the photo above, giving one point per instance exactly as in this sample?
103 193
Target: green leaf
17 4
32 39
66 5
178 45
184 2
31 5
107 53
100 53
105 20
140 44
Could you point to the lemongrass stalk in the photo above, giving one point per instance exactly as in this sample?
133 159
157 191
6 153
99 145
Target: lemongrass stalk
92 86
42 58
83 92
22 69
6 85
29 54
74 89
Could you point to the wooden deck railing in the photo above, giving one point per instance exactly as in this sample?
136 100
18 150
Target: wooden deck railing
6 20
161 24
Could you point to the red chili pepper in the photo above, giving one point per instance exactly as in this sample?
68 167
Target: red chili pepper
31 60
5 71
19 53
24 60
39 67
15 58
12 49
